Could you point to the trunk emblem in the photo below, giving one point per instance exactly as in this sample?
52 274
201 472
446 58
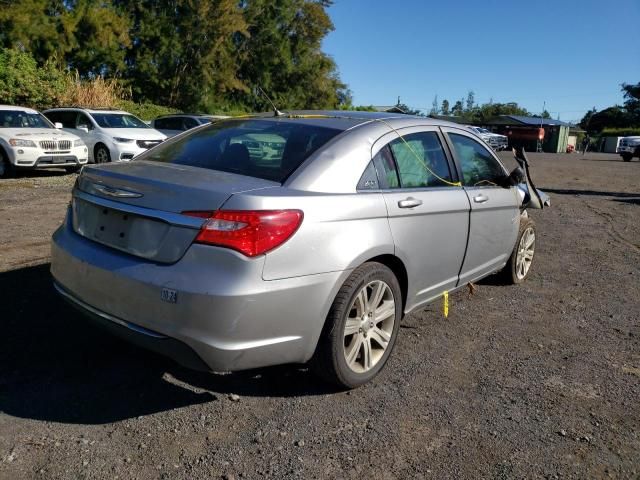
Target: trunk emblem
169 295
115 192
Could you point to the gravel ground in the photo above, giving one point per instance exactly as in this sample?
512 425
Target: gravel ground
540 380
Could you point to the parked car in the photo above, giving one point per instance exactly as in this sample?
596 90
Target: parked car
174 124
629 147
28 140
203 251
110 135
494 140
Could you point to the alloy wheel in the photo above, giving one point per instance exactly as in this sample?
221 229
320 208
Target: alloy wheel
526 249
369 326
102 156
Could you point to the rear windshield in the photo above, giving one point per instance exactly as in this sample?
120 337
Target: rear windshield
258 148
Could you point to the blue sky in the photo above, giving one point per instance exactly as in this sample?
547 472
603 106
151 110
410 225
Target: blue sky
573 54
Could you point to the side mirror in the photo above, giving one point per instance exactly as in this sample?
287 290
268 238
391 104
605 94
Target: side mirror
84 128
58 125
516 177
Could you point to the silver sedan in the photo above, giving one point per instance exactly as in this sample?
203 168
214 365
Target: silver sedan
293 238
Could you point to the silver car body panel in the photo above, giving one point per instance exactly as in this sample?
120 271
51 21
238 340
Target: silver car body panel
238 312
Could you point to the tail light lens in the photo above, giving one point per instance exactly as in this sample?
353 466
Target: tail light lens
251 232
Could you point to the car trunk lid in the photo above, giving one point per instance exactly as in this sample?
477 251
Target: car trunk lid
137 207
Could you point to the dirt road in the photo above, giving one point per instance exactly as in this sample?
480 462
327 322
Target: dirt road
540 380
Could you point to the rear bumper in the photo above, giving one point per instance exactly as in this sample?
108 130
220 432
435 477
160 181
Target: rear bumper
225 312
142 337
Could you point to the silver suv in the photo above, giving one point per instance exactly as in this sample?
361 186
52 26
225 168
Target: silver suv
110 135
288 239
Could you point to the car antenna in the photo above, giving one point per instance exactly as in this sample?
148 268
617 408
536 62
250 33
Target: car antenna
276 112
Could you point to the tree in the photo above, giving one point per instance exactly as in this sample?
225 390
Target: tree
445 107
457 109
408 110
545 114
470 101
435 106
282 54
584 123
612 117
90 35
181 51
632 101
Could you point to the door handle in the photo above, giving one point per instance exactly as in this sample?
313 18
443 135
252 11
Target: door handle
409 202
480 198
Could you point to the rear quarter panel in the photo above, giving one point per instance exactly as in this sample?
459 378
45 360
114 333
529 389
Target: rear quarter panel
338 232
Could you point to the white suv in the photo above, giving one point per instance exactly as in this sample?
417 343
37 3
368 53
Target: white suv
628 148
110 135
494 140
28 140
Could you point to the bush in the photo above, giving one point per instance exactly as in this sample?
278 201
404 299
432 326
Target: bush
22 82
620 132
146 111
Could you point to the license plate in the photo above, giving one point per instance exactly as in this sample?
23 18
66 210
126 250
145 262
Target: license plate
113 227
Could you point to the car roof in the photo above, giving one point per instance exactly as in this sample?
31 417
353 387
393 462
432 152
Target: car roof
15 107
89 110
347 119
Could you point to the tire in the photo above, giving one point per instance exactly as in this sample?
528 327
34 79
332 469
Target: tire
6 169
369 341
101 154
518 268
626 157
75 169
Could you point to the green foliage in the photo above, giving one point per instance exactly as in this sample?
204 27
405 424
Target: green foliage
188 54
620 132
444 110
22 82
145 111
457 109
618 118
408 110
612 117
359 108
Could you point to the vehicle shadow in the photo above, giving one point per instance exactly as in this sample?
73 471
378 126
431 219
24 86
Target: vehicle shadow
54 366
631 201
595 193
42 173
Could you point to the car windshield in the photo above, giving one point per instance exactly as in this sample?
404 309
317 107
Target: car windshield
22 119
118 120
258 148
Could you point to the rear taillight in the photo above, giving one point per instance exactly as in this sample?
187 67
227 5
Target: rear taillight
251 232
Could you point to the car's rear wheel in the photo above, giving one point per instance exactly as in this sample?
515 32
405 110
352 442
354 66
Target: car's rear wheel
626 157
518 267
101 154
361 327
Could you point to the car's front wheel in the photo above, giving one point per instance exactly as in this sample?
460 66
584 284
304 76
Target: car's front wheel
626 157
519 265
361 327
6 169
101 154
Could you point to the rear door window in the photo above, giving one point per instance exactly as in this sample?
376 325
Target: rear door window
271 150
421 160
